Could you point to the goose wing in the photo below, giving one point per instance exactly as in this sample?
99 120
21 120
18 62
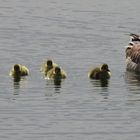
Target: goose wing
134 54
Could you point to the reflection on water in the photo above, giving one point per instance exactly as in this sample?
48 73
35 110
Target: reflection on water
54 85
17 79
101 86
132 80
18 82
57 85
102 82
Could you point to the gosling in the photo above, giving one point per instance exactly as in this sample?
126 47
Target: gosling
45 68
56 73
101 72
19 70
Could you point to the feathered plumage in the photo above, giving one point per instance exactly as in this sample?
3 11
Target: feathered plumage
133 54
101 72
56 73
134 37
47 66
19 70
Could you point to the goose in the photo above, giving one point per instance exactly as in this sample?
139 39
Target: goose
133 54
133 58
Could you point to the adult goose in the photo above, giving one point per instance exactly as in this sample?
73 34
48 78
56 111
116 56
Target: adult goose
133 54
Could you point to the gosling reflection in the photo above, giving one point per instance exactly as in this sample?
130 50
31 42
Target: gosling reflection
57 82
100 83
57 85
16 86
104 82
101 87
18 83
53 86
17 79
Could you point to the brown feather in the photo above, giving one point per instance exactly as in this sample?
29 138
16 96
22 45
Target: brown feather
134 53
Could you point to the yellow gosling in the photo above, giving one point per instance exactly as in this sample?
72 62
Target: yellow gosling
47 66
19 70
100 72
56 73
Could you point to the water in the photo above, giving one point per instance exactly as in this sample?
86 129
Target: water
76 34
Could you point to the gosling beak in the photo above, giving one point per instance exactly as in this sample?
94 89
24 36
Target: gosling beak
108 70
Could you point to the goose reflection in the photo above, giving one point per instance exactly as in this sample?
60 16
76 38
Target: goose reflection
132 80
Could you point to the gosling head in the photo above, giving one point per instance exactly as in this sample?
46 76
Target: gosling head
16 68
57 70
104 67
49 63
105 72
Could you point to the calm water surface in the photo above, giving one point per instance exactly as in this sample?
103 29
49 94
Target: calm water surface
77 34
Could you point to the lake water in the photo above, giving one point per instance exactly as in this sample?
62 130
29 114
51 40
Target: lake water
76 34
